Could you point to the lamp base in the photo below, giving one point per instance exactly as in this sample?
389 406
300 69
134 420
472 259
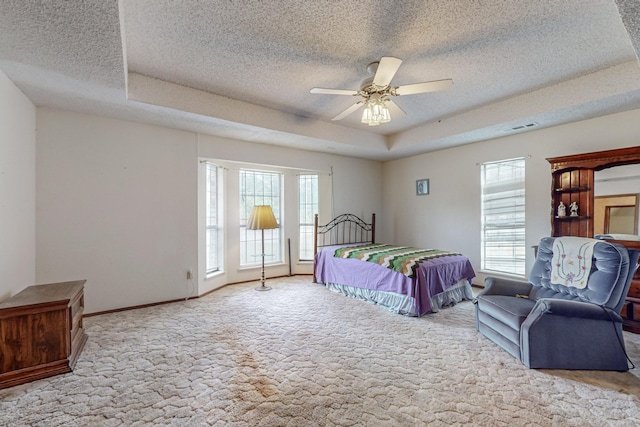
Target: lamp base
263 288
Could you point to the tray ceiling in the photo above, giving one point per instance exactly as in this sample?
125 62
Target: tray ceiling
244 69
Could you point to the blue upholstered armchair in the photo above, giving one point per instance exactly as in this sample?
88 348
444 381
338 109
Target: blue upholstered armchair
562 318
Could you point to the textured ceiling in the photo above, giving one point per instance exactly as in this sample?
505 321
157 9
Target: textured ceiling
243 69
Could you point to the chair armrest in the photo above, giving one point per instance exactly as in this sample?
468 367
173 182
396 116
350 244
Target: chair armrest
575 309
499 286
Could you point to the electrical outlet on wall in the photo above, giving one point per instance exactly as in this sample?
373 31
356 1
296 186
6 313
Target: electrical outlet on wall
189 274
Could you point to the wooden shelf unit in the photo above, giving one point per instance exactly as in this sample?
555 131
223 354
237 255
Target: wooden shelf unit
572 185
573 180
41 332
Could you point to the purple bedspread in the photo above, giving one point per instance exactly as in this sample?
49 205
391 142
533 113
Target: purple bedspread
433 276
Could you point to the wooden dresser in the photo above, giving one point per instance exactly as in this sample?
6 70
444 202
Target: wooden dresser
573 180
41 332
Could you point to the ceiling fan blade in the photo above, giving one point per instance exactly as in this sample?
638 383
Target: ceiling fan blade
387 68
333 91
414 88
394 109
349 110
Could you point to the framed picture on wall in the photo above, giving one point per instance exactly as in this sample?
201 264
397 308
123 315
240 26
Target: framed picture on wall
422 187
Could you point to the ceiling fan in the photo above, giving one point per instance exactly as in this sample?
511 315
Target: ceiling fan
376 90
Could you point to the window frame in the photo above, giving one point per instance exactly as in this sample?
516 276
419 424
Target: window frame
273 255
213 170
503 212
305 251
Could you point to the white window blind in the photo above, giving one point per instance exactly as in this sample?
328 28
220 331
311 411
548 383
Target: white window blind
503 216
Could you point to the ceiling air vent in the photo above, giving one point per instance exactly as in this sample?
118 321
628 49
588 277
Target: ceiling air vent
523 127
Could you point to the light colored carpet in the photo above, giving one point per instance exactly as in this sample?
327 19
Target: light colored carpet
300 355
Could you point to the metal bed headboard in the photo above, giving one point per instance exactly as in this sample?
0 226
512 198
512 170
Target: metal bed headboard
343 229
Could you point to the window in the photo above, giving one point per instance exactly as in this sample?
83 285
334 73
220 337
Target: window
213 243
260 188
307 208
503 208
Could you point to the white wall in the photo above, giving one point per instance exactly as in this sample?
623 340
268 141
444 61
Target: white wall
117 201
449 217
17 189
117 204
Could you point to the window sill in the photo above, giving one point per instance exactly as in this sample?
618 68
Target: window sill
504 275
213 275
258 267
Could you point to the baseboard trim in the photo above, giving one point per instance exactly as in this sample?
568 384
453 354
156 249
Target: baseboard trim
153 304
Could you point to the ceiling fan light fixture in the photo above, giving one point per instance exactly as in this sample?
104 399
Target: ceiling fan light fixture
376 89
375 112
386 114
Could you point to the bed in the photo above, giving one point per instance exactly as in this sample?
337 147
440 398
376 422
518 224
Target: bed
404 280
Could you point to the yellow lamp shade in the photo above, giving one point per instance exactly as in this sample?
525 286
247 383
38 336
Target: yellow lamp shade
262 218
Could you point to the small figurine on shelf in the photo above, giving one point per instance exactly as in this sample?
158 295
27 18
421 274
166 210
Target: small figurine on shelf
573 207
562 209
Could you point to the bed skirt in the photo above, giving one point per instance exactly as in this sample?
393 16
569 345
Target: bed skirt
404 304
